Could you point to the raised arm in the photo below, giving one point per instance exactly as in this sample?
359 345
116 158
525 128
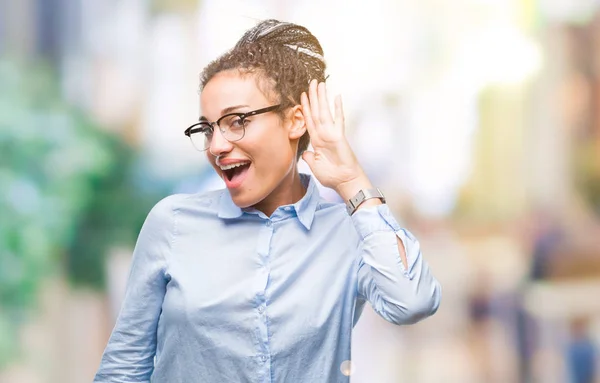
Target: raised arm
393 276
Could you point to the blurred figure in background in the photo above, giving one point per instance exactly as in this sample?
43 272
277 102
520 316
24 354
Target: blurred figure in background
545 237
582 354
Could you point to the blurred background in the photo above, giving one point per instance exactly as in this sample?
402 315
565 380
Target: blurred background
479 119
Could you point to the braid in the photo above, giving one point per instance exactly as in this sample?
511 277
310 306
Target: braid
287 55
283 34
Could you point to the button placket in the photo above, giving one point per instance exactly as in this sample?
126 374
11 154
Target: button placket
263 250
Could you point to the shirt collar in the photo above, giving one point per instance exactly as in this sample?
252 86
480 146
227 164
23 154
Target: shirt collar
305 208
228 209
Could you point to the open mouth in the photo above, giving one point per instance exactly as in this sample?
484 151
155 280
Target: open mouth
235 171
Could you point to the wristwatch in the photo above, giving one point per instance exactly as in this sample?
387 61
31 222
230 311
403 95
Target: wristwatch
360 197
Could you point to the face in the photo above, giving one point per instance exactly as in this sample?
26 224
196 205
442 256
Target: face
260 169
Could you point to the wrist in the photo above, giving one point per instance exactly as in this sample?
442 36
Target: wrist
364 198
348 189
371 202
359 193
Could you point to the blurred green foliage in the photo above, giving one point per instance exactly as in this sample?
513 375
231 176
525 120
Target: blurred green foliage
69 191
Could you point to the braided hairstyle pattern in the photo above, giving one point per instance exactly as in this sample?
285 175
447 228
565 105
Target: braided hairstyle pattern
285 56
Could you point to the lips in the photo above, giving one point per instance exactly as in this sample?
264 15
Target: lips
234 172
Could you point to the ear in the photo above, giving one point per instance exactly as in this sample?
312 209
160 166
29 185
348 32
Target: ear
297 124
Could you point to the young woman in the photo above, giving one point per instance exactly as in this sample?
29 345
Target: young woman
263 281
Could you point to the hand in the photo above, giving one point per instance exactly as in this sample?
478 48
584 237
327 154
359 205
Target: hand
332 162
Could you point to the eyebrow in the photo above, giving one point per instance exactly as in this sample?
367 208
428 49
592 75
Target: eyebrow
229 109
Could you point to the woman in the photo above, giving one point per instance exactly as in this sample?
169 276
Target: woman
263 281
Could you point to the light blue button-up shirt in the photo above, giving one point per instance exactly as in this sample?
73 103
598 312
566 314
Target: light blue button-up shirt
222 294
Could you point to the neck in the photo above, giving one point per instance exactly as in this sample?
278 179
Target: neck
289 191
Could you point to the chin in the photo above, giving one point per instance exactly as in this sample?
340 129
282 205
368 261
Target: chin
243 200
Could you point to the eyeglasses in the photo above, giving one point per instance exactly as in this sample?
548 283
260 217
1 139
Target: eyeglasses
231 125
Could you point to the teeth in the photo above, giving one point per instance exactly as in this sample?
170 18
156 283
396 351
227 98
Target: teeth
227 167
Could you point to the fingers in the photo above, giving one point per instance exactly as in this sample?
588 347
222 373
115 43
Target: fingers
317 113
323 104
308 117
313 98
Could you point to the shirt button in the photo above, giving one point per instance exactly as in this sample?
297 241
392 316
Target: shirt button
261 309
287 208
263 358
269 223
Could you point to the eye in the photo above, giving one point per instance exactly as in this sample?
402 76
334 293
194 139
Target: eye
234 122
238 122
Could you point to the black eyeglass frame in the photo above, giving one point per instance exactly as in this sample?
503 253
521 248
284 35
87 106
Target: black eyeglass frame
199 126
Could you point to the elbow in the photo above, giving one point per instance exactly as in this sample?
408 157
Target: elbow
416 308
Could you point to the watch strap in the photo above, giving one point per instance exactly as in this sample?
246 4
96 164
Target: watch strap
360 197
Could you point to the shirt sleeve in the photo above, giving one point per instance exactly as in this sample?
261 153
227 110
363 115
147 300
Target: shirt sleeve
400 295
129 355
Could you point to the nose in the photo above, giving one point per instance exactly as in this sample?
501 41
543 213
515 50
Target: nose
218 144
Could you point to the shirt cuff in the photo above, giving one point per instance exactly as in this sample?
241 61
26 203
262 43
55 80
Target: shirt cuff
369 220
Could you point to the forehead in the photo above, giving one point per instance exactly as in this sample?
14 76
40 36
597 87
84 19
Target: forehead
232 87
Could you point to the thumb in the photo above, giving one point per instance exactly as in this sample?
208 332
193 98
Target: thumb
309 158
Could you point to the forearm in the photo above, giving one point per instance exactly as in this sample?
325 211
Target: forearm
349 189
394 276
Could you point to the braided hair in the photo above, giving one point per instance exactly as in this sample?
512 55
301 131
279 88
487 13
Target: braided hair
285 56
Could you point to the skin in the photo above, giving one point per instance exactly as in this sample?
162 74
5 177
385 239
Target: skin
271 144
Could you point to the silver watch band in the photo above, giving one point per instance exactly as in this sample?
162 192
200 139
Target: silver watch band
360 197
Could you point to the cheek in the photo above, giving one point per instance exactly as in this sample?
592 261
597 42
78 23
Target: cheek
211 159
275 153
